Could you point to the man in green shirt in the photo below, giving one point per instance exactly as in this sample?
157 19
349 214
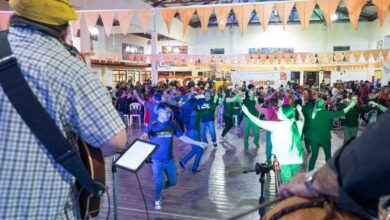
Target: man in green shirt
320 127
250 102
351 121
228 112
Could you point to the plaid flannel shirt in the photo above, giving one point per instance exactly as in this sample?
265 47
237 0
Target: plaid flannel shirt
32 185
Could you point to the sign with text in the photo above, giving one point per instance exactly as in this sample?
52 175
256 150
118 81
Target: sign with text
263 78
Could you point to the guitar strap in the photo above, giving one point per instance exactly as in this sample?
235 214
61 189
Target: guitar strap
38 119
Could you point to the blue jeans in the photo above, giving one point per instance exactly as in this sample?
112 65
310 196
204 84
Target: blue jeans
196 150
268 149
211 127
158 175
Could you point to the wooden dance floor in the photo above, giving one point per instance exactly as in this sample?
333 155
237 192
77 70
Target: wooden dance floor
219 191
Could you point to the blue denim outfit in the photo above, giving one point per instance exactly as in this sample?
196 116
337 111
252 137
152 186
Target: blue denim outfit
158 168
210 125
207 109
196 150
162 134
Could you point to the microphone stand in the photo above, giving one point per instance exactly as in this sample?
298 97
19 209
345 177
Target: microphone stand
113 173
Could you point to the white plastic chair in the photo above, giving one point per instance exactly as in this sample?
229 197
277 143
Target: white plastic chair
135 111
126 119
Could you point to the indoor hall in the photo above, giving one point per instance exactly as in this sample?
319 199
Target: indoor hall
235 82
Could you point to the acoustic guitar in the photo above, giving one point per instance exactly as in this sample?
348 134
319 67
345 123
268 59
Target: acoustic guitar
93 160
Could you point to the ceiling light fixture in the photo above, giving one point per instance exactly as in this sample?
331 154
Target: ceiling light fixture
94 31
176 50
334 17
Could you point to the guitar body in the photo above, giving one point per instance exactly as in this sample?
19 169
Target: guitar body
297 208
94 162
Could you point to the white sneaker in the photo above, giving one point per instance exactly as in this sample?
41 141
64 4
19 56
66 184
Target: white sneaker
157 205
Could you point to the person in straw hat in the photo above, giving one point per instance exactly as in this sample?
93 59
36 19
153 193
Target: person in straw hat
32 184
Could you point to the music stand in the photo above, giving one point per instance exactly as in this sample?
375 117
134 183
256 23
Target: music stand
131 159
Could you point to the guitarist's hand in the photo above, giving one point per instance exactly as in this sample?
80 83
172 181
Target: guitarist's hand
296 187
325 183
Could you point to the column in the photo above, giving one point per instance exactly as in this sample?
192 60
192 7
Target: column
154 73
301 78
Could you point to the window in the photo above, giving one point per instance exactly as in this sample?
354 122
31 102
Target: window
217 51
119 76
128 49
341 48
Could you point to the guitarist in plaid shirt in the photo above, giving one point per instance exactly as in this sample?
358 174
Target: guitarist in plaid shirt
32 185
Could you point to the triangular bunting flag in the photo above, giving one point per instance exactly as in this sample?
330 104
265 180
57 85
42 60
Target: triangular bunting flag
204 16
263 58
167 59
243 14
284 10
347 56
384 54
185 16
145 15
303 57
124 18
222 14
339 57
280 58
263 12
382 7
287 58
91 18
271 58
85 37
168 15
108 19
295 57
312 58
75 25
354 9
375 54
367 55
329 56
4 20
328 8
357 55
322 58
305 10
